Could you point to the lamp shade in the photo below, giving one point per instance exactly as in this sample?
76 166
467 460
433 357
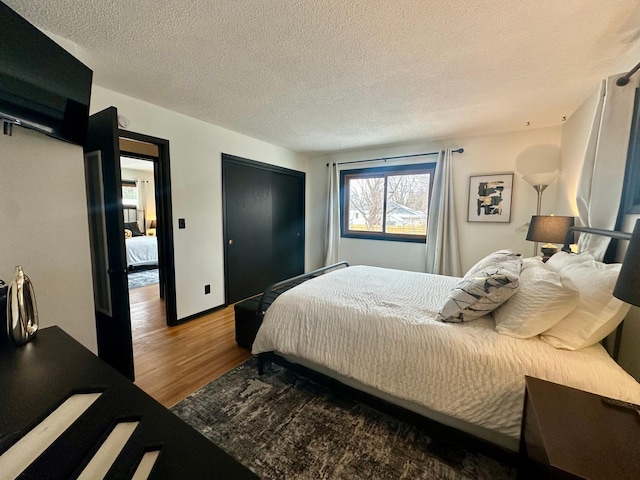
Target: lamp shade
152 224
544 178
627 287
549 228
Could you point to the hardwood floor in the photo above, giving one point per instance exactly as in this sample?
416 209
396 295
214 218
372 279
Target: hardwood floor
172 362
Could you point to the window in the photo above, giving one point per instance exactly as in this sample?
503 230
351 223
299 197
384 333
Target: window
386 203
631 187
129 193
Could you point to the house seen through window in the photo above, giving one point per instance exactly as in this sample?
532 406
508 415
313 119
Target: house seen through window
386 203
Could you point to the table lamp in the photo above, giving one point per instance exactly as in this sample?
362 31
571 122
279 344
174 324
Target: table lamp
549 229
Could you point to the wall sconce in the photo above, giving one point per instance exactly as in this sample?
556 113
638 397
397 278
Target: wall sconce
549 229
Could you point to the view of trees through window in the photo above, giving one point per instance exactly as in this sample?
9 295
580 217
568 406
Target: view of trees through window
391 202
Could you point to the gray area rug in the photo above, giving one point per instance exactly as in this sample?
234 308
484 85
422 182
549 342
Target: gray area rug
284 426
143 278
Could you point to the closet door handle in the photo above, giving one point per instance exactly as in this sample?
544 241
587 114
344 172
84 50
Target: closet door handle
231 241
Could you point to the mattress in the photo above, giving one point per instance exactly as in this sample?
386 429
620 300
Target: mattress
141 250
375 328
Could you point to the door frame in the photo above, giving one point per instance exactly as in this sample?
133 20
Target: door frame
162 179
228 158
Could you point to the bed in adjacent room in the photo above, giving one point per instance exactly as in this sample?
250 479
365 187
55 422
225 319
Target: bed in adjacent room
142 250
425 343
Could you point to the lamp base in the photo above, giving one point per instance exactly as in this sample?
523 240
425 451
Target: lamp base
548 249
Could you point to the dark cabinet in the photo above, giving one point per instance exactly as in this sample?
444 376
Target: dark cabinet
572 434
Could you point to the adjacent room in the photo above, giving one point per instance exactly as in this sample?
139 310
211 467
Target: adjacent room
293 239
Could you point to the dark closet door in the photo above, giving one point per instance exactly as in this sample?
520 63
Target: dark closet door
263 225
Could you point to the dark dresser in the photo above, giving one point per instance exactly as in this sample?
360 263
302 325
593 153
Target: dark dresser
38 377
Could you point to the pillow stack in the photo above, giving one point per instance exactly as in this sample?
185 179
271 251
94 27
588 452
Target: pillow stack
568 301
487 285
597 313
542 300
135 229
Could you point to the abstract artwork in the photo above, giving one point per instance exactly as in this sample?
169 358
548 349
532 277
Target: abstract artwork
490 198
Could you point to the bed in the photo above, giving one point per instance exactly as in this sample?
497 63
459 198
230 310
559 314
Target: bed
141 251
379 331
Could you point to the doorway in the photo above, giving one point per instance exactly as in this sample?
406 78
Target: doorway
148 159
263 223
107 234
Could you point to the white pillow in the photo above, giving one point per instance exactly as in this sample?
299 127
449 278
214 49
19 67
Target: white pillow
541 301
598 312
559 260
482 291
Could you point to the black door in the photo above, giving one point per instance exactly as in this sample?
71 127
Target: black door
263 225
108 256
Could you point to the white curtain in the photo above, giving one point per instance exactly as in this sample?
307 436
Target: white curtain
602 175
443 256
332 230
141 185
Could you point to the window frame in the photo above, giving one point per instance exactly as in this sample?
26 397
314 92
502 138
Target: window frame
385 171
630 202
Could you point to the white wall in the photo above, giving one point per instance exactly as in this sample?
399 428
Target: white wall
44 228
575 134
195 151
482 155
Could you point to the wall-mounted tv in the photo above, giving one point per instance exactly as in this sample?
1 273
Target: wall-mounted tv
42 86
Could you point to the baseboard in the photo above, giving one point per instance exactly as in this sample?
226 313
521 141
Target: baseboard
199 314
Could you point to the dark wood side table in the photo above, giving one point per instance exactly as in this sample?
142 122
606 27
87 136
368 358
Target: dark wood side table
568 434
37 377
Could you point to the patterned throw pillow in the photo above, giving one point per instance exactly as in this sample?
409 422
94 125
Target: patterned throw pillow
483 289
127 233
493 259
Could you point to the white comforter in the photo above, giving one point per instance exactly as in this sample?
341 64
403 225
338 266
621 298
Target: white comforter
377 326
141 250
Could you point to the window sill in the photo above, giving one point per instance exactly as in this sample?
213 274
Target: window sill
383 237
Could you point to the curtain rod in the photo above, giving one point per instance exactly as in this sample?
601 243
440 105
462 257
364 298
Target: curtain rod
459 150
623 80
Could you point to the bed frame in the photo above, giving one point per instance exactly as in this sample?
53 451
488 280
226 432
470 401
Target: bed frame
132 214
458 437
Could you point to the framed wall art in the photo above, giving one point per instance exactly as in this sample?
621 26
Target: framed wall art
490 198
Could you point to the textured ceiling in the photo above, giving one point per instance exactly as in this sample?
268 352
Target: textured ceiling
327 75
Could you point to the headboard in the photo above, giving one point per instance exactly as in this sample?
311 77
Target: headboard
132 214
568 239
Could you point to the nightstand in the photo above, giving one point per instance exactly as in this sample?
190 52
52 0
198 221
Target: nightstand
567 433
